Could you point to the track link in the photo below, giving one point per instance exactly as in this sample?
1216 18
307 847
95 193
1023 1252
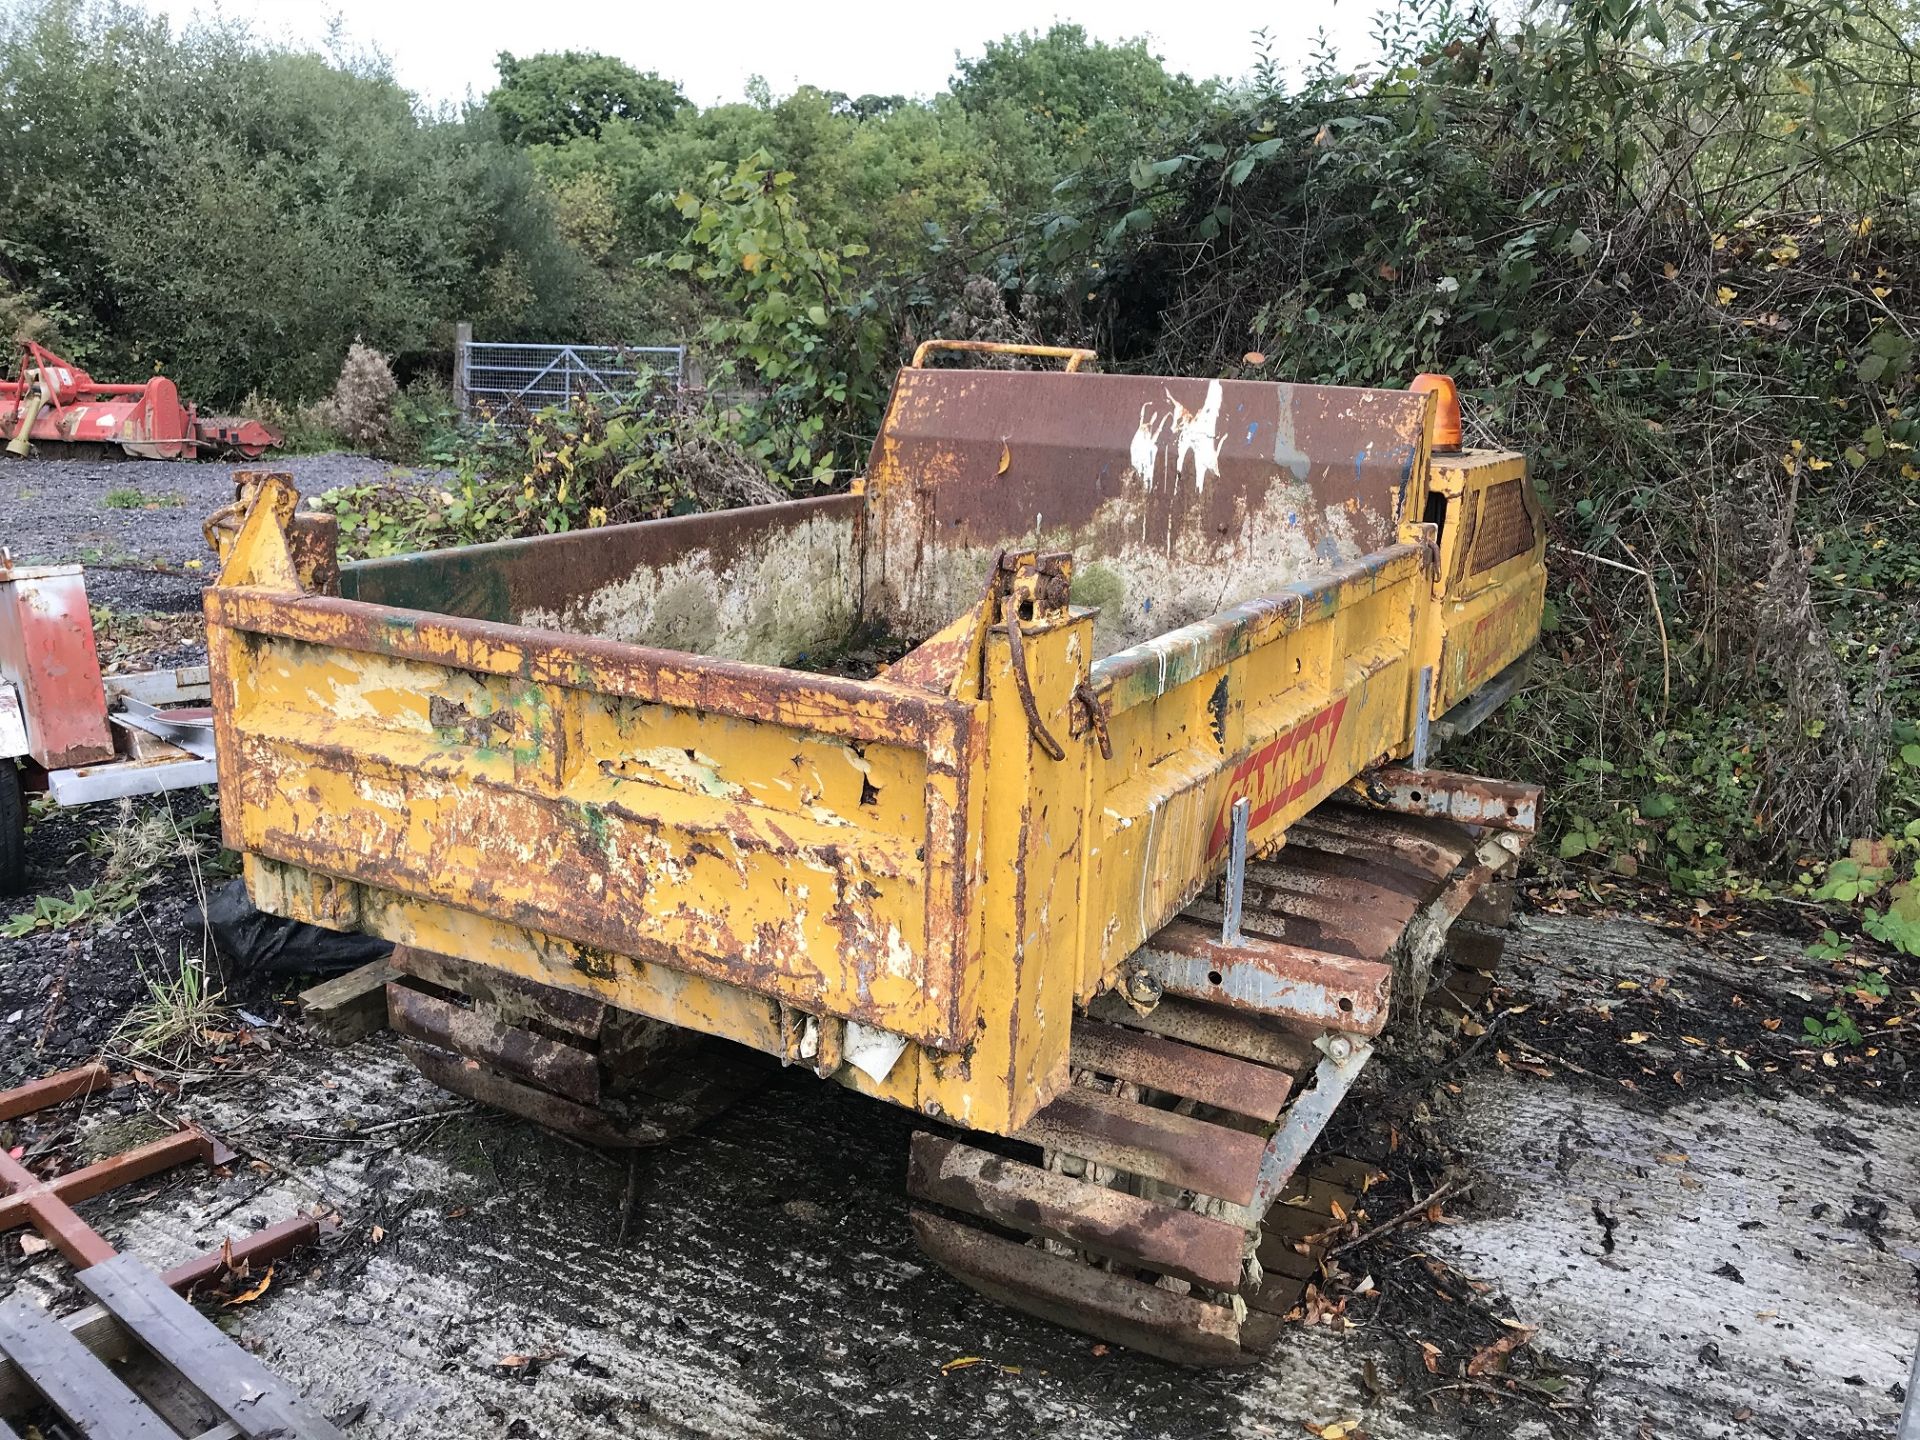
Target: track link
559 1060
1166 1201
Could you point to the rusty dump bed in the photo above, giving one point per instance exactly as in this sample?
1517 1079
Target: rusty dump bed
1178 499
1155 629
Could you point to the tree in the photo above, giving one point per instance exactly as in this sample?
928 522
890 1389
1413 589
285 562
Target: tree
1068 83
1056 104
551 99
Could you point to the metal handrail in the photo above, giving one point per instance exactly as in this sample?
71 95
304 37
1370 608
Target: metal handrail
1071 354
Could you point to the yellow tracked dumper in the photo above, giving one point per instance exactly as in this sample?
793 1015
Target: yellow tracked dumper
1111 874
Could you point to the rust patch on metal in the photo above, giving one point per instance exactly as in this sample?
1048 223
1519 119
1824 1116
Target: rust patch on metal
1449 795
1270 976
1133 1313
564 1069
1091 1217
1222 1081
1152 482
1158 1144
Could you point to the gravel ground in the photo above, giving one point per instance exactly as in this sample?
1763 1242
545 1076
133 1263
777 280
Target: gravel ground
56 510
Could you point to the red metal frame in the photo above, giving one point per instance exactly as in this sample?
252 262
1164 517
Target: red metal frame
47 1205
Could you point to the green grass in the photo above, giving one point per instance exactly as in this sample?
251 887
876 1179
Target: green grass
127 497
178 1009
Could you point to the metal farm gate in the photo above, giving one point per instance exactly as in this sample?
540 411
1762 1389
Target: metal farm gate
507 382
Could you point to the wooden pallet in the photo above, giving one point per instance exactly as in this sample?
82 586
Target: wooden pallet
192 1370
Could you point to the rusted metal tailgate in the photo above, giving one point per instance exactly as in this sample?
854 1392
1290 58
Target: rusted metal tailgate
804 838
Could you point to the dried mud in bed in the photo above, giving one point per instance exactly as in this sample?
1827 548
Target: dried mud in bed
1709 1229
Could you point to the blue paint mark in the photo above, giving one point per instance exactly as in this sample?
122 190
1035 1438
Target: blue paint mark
1253 428
1293 520
1328 549
1146 606
1359 465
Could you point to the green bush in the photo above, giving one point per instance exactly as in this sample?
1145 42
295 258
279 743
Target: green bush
604 460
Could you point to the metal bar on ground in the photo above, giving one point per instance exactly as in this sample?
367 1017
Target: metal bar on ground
27 1200
260 1247
1910 1414
54 1090
116 781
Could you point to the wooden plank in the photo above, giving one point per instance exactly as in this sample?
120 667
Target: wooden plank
93 1327
349 1006
72 1379
256 1400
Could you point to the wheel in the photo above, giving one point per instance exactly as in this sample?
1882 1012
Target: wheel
13 830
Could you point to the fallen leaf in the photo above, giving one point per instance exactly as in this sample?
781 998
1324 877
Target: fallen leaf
458 1212
1430 1353
1338 1212
1743 1414
1494 1356
1769 1024
377 1234
1100 1350
34 1245
1254 357
247 1297
1006 458
1638 1037
1628 985
964 1362
1672 1157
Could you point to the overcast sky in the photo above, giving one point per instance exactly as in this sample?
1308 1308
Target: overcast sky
442 51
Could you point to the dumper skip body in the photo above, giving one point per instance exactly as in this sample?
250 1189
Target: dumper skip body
1146 628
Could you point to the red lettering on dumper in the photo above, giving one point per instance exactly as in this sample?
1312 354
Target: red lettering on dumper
1279 772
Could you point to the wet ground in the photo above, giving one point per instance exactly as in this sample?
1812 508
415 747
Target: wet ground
1733 1254
1709 1225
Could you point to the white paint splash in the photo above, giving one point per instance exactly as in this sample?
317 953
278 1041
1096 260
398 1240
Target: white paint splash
1145 451
1199 437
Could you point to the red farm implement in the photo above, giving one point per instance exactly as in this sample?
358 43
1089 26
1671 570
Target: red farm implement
51 402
